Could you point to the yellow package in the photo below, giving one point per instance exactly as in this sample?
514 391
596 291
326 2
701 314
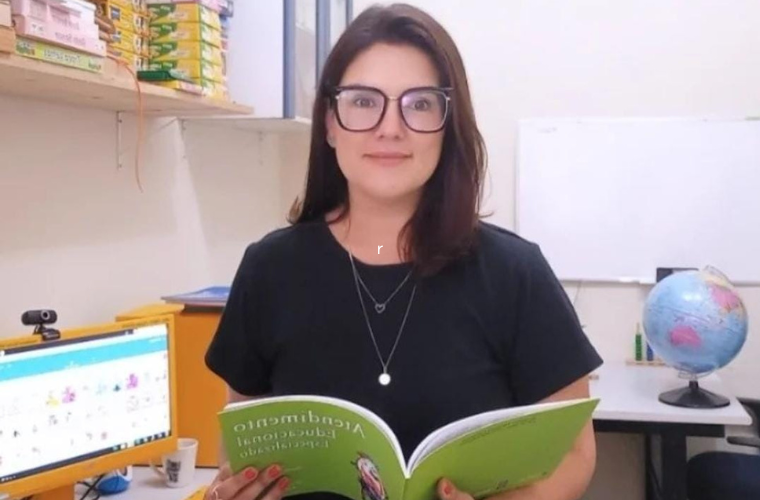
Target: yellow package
126 19
137 6
135 61
195 69
130 41
184 13
180 85
215 90
185 32
173 51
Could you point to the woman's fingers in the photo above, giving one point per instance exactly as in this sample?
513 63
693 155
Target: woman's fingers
265 480
278 489
232 485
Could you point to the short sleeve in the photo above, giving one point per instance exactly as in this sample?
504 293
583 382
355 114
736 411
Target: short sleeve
550 350
237 353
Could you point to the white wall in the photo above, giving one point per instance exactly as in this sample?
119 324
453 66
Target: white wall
78 235
541 58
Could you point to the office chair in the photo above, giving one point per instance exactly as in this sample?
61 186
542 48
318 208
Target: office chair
722 475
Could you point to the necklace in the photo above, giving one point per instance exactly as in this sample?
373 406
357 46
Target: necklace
380 306
384 377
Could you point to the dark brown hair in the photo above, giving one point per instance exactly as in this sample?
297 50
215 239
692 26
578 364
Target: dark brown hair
444 224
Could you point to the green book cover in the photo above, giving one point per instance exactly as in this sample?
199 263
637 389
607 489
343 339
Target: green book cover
327 444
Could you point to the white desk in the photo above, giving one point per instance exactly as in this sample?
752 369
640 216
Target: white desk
629 394
146 485
629 403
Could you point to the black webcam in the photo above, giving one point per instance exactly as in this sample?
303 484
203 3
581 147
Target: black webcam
40 318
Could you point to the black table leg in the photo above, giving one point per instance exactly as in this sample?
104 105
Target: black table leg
649 477
674 461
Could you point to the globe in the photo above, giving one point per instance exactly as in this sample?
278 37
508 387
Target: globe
695 322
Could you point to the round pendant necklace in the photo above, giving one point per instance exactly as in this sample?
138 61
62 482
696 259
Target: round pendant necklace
384 377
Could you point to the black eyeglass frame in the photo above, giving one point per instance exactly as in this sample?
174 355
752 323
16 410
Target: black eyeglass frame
336 91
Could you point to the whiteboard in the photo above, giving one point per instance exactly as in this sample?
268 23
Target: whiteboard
611 200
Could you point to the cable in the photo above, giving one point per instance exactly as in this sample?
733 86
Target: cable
91 487
140 118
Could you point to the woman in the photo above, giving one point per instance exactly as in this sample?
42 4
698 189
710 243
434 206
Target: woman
387 290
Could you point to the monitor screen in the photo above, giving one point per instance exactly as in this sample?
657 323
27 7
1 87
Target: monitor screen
81 398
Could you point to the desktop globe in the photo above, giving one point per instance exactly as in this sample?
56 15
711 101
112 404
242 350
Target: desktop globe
695 322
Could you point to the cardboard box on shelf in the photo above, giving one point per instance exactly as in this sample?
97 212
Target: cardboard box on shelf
183 13
192 88
194 69
135 61
73 12
215 90
58 34
138 6
215 5
130 41
5 14
185 32
173 51
126 19
42 51
7 40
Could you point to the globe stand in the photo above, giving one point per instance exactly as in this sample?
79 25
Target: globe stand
693 396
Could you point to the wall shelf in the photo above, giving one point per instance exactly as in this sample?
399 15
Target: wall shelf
255 124
113 89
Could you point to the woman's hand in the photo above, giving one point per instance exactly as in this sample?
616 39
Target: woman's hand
248 484
447 491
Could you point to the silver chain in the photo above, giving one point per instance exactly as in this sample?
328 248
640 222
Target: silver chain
380 306
366 317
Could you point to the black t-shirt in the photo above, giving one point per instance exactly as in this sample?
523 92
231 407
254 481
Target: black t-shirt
493 330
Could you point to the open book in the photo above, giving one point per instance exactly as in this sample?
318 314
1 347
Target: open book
327 444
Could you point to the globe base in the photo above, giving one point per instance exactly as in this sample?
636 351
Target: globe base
693 396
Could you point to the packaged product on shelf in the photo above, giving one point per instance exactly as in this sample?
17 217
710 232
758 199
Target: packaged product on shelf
215 90
185 32
5 14
173 51
194 69
86 40
215 5
42 51
130 41
7 40
138 6
183 13
137 62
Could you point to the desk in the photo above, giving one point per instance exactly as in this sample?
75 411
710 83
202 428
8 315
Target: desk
628 404
146 485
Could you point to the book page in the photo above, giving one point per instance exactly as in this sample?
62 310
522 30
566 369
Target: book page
498 450
449 432
324 445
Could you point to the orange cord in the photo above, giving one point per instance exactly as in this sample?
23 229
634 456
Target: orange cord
140 118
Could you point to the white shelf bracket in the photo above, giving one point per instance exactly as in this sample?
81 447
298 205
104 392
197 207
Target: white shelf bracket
119 122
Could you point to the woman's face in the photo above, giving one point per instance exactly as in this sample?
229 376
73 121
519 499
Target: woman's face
390 162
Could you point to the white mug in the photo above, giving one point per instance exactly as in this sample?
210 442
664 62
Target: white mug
177 468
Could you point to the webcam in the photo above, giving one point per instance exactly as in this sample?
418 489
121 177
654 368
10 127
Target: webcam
40 318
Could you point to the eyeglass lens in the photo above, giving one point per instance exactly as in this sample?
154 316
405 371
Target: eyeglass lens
362 109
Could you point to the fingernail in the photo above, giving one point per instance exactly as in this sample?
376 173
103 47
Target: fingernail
284 483
447 488
274 471
251 474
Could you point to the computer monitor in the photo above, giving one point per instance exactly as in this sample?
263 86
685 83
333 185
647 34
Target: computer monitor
98 399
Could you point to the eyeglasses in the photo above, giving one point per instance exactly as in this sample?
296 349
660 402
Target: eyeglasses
423 109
